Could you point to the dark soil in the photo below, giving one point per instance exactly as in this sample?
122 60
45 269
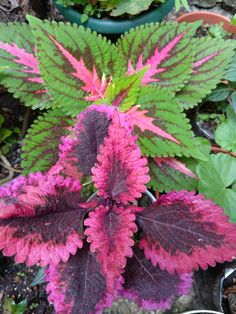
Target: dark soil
15 283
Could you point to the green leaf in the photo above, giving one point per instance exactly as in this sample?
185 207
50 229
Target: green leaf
225 134
165 178
123 92
168 116
84 18
2 119
216 176
75 63
233 101
230 74
10 307
132 7
219 94
21 76
40 147
167 48
39 277
4 134
212 58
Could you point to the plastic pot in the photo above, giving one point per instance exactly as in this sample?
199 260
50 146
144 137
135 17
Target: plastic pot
112 26
209 18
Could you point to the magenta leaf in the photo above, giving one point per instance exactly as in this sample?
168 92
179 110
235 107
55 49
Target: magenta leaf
183 231
121 171
79 150
41 219
150 287
78 286
22 76
110 230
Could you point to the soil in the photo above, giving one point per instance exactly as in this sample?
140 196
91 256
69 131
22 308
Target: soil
16 279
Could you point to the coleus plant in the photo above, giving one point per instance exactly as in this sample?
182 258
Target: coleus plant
151 74
108 246
135 91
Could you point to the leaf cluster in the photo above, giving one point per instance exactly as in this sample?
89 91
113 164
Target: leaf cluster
106 106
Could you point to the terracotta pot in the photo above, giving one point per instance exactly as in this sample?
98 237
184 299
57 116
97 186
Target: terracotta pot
114 26
209 18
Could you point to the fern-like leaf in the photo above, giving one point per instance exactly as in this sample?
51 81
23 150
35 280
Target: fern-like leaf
40 148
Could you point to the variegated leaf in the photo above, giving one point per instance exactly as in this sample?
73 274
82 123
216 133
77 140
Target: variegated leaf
41 218
212 58
163 129
110 230
120 173
123 92
21 75
75 63
168 174
78 286
40 146
183 231
165 48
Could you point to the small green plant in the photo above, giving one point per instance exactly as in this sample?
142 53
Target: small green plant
7 136
226 90
11 307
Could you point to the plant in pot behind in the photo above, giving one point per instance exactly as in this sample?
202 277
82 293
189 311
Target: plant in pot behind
104 107
116 16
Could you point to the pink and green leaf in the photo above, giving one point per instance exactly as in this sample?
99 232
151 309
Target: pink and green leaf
110 232
78 286
150 287
211 59
123 92
41 219
160 133
183 231
21 76
166 49
168 174
75 71
40 146
121 171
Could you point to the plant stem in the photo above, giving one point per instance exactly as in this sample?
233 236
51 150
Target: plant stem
11 172
216 149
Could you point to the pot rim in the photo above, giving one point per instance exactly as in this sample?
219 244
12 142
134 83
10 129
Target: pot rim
207 18
109 26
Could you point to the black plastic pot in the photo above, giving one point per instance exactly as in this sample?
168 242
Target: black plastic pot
112 26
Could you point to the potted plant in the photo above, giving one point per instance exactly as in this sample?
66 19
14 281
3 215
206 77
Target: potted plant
116 14
208 18
104 107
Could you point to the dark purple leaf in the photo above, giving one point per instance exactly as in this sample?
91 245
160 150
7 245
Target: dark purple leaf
78 286
150 287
